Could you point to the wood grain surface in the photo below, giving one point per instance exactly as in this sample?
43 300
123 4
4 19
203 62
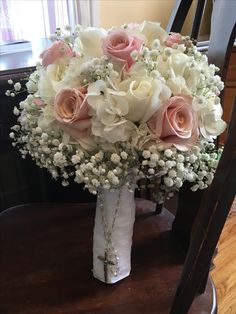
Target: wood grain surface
224 273
46 263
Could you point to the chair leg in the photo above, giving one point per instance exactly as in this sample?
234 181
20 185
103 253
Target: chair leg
202 287
204 240
158 209
188 206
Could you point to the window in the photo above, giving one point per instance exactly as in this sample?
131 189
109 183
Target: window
25 21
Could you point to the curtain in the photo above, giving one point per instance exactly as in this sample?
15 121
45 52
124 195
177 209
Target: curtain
31 19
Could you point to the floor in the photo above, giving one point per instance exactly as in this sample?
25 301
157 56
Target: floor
224 273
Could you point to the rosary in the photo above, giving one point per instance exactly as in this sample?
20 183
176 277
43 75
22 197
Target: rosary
110 258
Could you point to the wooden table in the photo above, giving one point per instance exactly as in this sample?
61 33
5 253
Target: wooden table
46 263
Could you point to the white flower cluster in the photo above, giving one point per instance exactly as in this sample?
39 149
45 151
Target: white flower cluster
166 169
15 90
66 161
108 107
108 170
171 168
97 69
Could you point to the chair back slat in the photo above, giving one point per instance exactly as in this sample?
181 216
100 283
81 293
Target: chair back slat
176 22
198 18
178 15
222 36
218 54
212 217
217 202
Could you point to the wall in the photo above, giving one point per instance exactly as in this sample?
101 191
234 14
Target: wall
118 12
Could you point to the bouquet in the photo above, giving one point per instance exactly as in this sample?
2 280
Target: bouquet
109 107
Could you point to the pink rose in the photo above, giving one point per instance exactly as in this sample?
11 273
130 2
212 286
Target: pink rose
56 52
173 38
175 123
119 45
38 102
71 111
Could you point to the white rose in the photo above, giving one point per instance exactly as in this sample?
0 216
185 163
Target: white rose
198 73
173 69
88 41
153 31
72 74
138 69
176 62
179 62
50 82
192 78
144 95
177 85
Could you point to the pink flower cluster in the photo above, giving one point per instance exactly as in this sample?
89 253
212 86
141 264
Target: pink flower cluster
174 123
71 111
119 45
57 52
173 38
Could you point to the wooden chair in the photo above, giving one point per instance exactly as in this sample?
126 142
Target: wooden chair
46 257
221 41
46 248
216 204
209 224
179 15
176 22
179 205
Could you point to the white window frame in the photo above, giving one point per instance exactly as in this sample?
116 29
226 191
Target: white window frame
89 11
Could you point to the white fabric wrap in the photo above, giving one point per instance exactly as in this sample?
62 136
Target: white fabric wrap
121 237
